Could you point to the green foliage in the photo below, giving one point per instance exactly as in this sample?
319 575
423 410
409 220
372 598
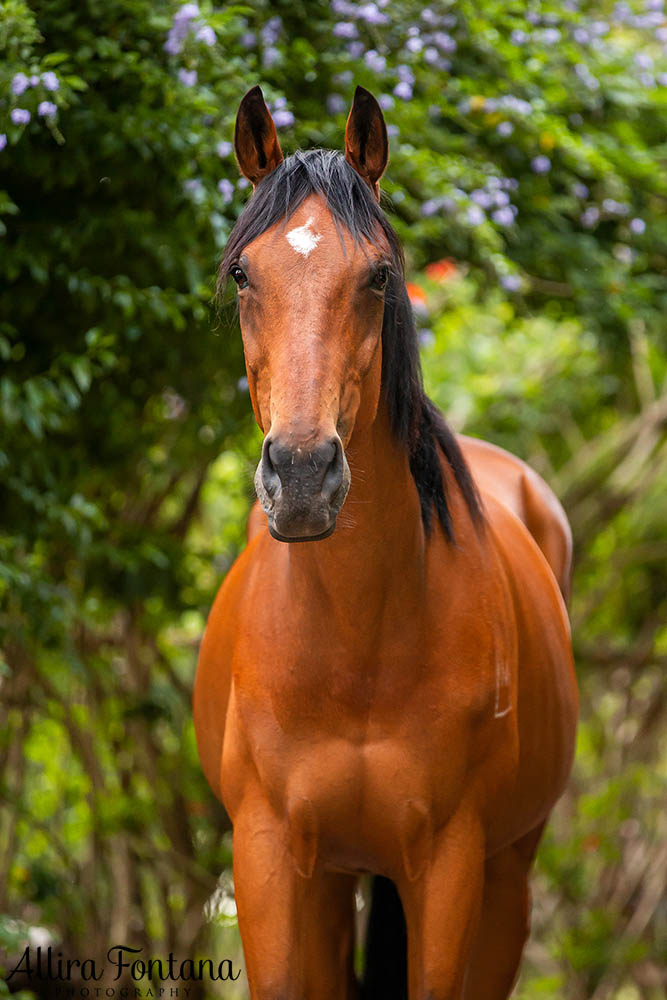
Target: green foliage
527 144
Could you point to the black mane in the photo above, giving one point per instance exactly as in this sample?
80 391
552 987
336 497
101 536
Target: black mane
414 419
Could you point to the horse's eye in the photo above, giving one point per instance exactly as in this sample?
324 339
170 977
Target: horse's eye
239 275
380 277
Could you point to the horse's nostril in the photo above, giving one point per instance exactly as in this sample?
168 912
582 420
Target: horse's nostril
333 475
270 475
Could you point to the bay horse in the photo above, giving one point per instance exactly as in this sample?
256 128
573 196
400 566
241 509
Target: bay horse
395 697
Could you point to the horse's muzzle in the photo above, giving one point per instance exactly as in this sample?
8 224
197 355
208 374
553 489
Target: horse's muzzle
302 489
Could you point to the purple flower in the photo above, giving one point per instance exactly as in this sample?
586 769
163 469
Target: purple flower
512 103
47 109
50 81
224 148
188 77
581 36
375 62
580 190
661 78
206 35
426 338
405 74
430 207
19 84
428 17
501 198
174 43
431 55
272 30
226 189
414 45
356 49
518 37
386 102
550 36
3 141
242 384
187 12
403 90
248 40
511 282
643 60
613 207
270 56
637 226
590 216
19 116
335 104
475 215
541 164
345 29
444 42
503 216
34 80
393 130
661 34
283 118
505 129
242 183
482 198
369 13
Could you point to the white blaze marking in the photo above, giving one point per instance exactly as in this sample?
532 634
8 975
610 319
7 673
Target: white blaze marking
302 239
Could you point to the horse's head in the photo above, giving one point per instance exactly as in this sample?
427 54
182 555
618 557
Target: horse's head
311 256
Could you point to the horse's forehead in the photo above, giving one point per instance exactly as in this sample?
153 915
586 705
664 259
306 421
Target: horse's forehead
309 237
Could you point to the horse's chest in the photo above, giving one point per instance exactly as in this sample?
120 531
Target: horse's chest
368 807
361 784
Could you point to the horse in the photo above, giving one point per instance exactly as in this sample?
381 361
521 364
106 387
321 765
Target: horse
388 688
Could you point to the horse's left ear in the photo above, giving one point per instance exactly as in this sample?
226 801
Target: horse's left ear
255 138
366 144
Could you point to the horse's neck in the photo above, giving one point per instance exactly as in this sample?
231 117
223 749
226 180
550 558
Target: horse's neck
379 541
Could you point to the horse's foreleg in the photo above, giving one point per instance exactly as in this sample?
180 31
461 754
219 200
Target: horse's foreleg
442 911
504 922
297 929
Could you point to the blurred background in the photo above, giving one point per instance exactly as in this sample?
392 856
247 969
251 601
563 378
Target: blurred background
528 181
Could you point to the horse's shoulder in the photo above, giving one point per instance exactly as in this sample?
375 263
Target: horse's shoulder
514 484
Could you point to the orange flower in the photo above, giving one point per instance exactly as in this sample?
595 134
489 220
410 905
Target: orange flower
591 842
441 270
416 295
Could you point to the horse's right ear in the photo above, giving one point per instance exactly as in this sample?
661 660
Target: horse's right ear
255 139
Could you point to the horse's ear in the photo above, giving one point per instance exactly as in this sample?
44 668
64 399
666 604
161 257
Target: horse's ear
255 139
366 144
